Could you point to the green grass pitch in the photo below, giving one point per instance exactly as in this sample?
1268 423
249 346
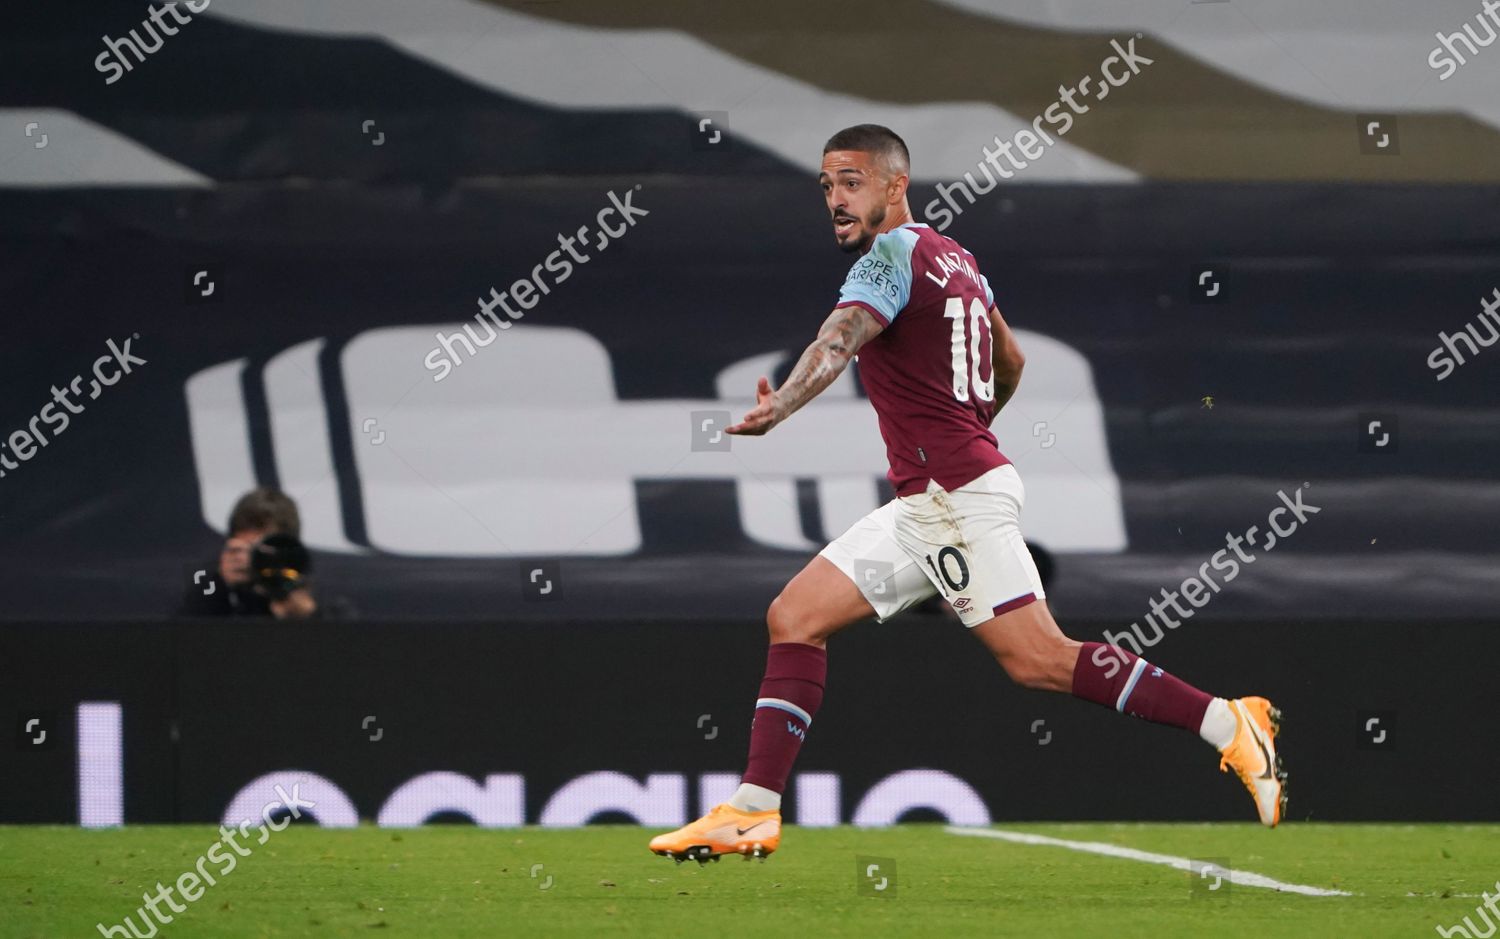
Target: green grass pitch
453 881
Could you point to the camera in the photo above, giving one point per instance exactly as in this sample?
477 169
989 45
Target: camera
279 564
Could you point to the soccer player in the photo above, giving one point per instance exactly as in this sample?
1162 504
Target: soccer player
937 361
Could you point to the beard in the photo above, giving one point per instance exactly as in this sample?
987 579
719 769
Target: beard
867 226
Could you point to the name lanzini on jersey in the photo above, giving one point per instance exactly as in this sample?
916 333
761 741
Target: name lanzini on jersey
950 263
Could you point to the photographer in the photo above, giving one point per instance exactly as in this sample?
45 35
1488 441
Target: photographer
263 565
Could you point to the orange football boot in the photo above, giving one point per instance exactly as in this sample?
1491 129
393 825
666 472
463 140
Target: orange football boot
724 830
1252 755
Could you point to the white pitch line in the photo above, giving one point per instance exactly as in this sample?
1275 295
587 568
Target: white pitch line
1244 878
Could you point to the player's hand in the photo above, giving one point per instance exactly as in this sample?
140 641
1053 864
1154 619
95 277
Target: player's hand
766 414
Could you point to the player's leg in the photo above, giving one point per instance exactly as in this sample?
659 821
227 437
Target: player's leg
975 554
1035 654
1032 649
863 573
815 604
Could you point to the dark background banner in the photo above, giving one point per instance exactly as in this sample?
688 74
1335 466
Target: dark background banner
1221 286
528 722
1328 322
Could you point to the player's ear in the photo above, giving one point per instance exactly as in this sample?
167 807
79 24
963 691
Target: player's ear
896 190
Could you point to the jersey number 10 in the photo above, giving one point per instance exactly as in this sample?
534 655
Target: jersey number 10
978 329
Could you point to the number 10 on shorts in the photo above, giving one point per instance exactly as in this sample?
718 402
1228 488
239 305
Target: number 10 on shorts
950 572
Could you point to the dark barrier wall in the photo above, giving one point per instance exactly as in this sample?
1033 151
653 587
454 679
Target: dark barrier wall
537 723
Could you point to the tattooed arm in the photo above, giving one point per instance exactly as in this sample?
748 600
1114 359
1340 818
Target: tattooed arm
842 335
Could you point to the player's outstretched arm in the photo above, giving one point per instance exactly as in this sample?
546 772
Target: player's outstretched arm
1006 359
843 333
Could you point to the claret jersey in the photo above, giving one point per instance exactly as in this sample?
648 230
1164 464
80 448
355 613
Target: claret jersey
929 373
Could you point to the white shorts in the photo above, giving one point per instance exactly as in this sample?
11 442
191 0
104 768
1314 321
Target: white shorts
965 545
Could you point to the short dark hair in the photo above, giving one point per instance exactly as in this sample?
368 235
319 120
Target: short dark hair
266 509
873 138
